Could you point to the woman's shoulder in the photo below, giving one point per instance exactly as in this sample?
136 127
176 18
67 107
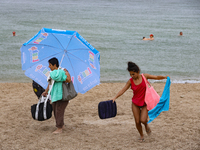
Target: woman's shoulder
53 72
58 72
145 75
130 81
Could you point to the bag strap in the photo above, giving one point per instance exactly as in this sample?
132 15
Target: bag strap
45 104
37 108
146 81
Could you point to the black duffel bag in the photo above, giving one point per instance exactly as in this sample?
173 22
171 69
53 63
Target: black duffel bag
42 110
107 109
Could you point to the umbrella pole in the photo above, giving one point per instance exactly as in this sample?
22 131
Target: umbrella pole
62 59
50 89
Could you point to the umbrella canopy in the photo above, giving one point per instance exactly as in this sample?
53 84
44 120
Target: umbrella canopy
74 53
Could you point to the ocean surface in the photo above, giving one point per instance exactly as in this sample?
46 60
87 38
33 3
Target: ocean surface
115 28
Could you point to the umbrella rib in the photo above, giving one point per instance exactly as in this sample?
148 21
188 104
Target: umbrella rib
75 57
58 40
72 65
47 46
77 49
74 73
53 55
70 40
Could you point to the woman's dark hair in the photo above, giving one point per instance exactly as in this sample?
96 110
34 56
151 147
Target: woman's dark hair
133 67
54 61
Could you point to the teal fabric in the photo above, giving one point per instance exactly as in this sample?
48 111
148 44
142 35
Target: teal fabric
59 77
163 104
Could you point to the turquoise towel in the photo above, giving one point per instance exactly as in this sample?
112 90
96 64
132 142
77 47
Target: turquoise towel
163 104
59 77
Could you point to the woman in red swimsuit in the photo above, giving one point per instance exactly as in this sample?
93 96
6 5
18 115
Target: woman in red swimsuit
139 108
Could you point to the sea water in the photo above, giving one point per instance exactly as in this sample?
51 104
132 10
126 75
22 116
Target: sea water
115 28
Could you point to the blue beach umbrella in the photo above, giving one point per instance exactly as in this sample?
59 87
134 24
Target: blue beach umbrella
74 53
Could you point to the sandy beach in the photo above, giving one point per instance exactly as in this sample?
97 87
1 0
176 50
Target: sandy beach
178 128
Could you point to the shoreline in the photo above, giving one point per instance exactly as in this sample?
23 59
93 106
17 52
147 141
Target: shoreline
177 128
185 81
103 82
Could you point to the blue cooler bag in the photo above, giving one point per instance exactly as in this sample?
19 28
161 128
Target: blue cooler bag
107 109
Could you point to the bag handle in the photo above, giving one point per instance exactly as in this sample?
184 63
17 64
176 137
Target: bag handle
146 81
45 104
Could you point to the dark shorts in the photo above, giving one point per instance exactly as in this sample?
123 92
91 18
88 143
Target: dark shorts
142 106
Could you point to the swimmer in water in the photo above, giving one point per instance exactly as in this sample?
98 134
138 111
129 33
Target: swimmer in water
151 38
144 38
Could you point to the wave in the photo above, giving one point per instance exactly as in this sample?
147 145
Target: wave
176 81
182 81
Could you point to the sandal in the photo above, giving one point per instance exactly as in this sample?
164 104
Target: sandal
148 132
141 140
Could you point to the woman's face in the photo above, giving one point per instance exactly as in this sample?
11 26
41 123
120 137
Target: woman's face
51 66
134 75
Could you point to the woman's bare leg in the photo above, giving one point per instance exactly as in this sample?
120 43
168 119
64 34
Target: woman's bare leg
136 114
144 119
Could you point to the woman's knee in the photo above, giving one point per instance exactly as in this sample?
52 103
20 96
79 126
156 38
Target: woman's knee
143 121
137 122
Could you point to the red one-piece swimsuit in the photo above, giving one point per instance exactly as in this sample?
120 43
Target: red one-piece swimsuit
138 93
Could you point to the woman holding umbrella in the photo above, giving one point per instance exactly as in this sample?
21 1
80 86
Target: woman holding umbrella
59 76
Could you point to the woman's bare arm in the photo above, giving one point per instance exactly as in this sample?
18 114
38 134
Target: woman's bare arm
46 91
123 90
149 76
68 76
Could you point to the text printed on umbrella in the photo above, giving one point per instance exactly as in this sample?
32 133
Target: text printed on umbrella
34 54
92 83
84 75
41 38
91 59
42 70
